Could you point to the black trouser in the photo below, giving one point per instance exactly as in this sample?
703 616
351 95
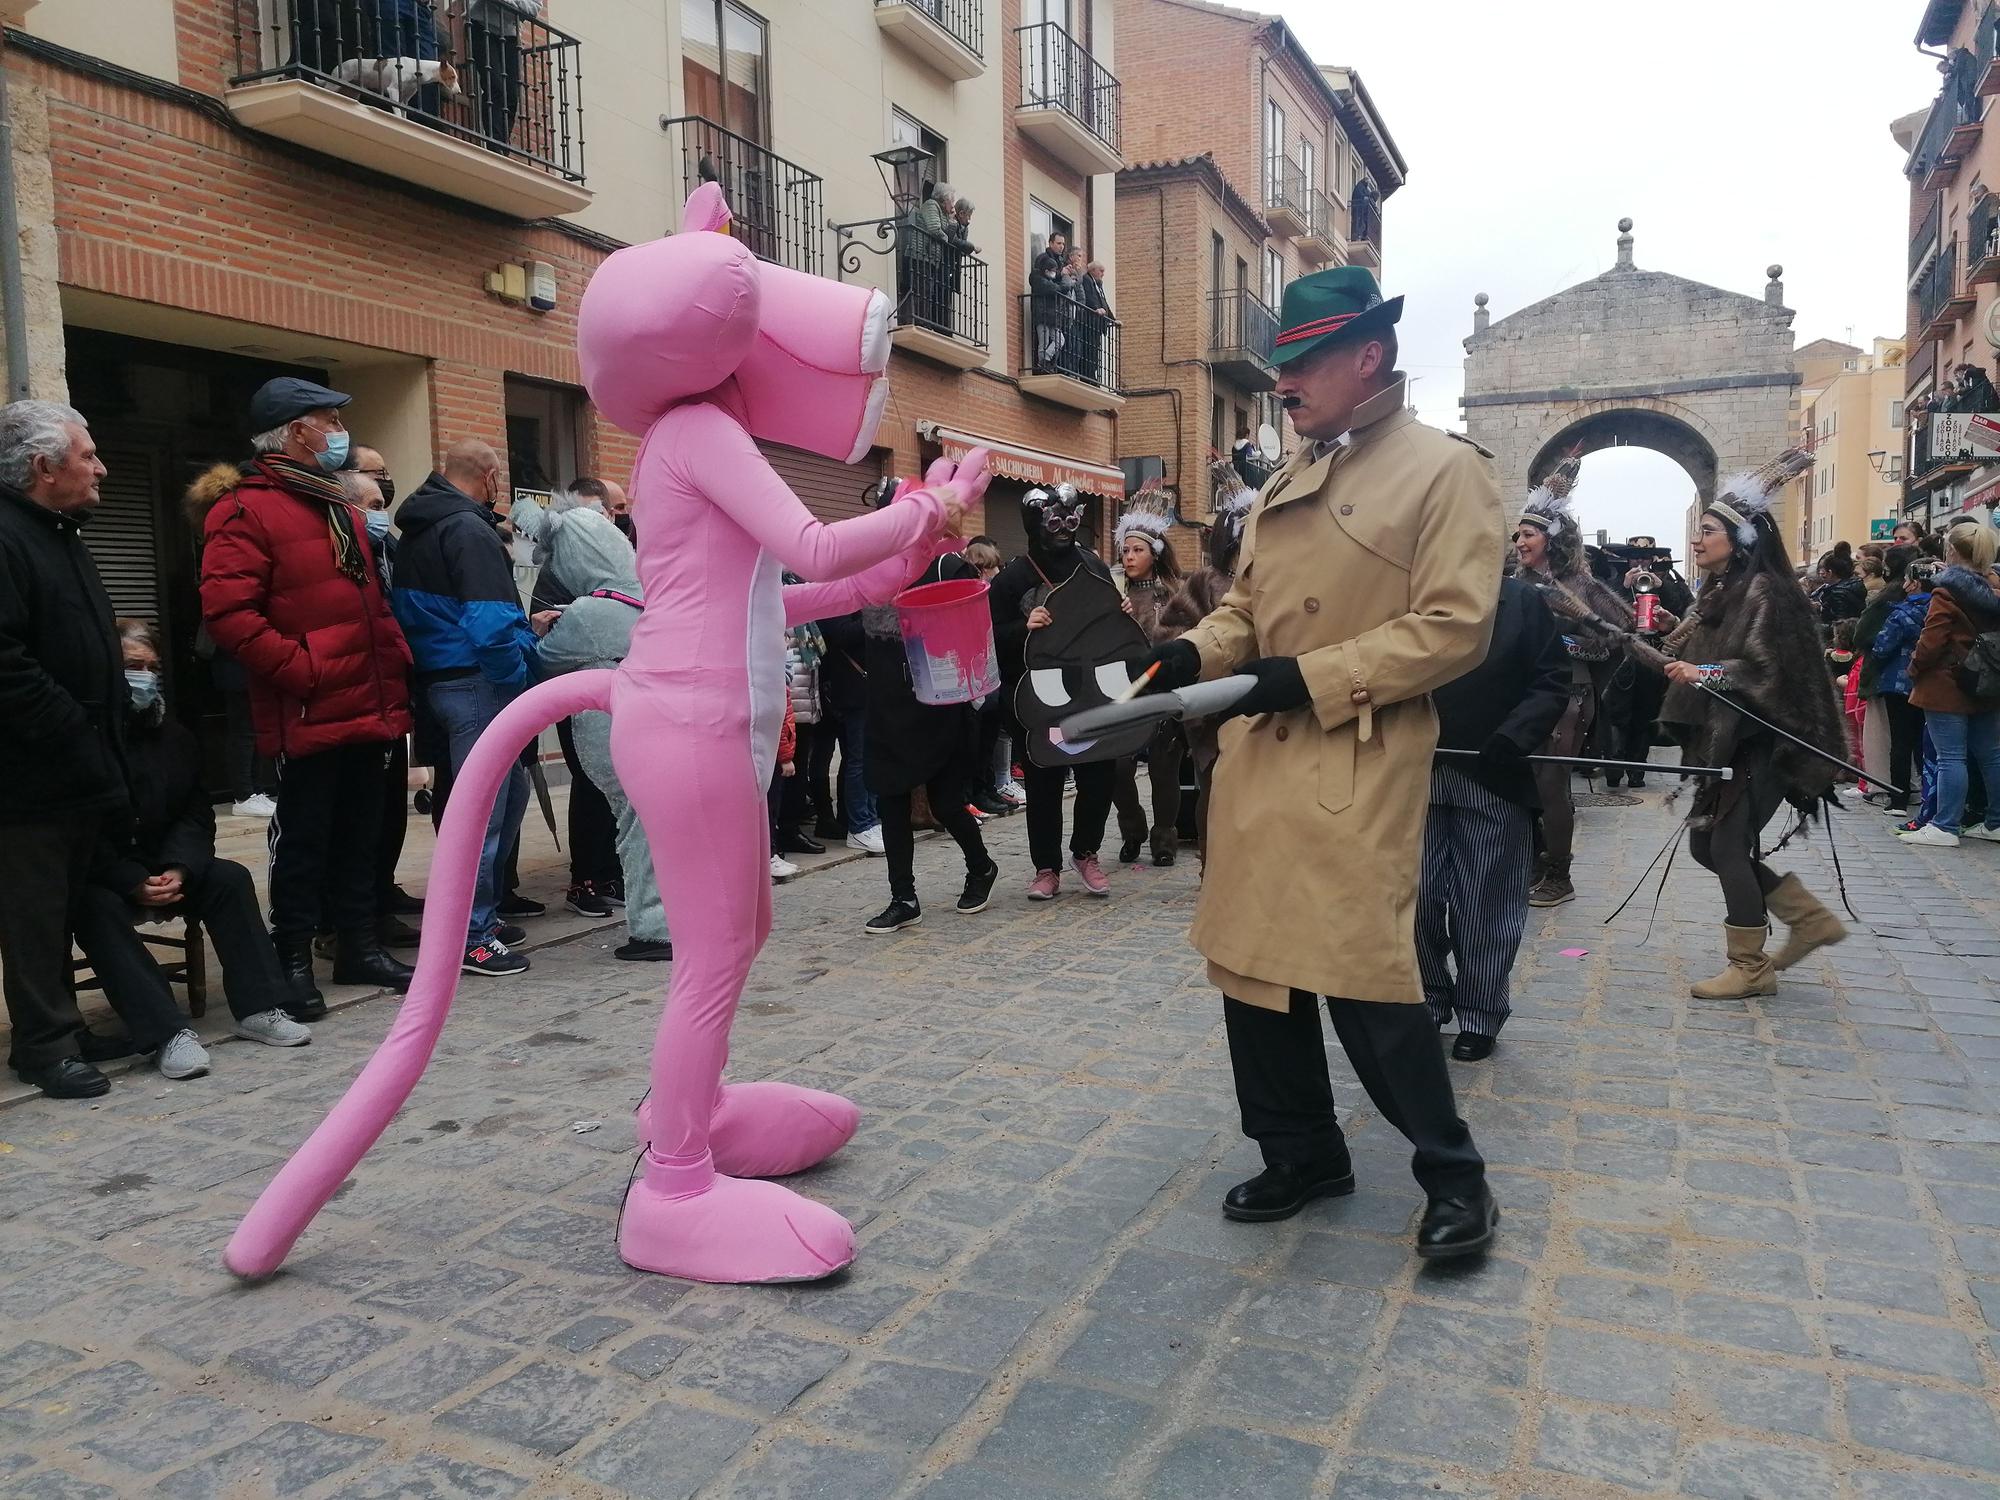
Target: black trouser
1045 810
819 774
1728 846
42 869
1628 713
899 839
1906 738
249 773
1163 768
593 828
324 840
1552 783
496 65
395 823
223 899
803 799
989 725
1282 1086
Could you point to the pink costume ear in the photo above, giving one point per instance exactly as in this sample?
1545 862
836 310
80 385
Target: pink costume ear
706 209
813 379
666 321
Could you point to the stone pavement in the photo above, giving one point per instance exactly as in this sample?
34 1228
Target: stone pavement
1749 1250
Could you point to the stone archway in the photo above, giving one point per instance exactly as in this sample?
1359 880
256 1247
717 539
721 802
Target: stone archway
1633 357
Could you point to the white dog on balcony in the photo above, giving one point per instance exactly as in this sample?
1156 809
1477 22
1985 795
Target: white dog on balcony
398 78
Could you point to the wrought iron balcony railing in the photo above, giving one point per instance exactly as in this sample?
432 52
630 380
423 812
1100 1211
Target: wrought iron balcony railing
942 285
501 81
1958 105
1365 220
965 20
1062 336
1927 234
1058 72
1241 326
776 205
1939 284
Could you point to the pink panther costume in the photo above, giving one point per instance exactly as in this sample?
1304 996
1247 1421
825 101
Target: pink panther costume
702 348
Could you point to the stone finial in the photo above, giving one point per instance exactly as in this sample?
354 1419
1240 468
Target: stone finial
1480 316
1774 289
1624 244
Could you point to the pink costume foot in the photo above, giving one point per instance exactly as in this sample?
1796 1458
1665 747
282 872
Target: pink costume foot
770 1129
685 1219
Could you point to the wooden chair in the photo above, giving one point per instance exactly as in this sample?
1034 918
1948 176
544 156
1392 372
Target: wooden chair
186 962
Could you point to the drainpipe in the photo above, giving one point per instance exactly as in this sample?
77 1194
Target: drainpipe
12 289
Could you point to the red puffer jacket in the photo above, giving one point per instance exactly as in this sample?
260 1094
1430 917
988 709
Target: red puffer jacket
326 660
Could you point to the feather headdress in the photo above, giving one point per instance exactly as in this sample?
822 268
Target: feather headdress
1548 502
1151 515
1742 498
1232 499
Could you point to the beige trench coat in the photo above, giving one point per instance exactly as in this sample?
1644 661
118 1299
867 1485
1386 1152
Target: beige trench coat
1377 564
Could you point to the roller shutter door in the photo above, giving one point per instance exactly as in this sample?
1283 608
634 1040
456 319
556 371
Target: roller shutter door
123 534
831 490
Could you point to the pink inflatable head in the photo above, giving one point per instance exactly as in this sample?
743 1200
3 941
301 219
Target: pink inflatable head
798 358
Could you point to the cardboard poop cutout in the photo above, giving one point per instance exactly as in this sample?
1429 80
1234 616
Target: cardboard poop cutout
702 349
1081 659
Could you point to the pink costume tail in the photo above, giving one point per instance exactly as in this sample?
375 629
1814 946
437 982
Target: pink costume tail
317 1169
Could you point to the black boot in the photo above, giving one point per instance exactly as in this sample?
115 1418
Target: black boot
393 932
362 961
1281 1190
295 958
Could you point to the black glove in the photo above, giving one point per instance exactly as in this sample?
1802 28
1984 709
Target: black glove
1499 752
1179 664
1280 686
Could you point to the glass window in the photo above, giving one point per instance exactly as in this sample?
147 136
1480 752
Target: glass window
1274 150
1215 263
1274 275
1309 163
907 130
1044 221
725 66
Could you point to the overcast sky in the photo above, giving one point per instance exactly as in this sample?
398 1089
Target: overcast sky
1734 133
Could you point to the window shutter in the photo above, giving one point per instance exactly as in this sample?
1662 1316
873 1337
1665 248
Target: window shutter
122 533
830 490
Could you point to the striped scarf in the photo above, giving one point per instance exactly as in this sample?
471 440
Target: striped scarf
342 519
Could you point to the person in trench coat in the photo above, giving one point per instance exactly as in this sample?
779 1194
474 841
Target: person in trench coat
1369 575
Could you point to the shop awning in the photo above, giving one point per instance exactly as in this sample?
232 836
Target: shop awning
1029 465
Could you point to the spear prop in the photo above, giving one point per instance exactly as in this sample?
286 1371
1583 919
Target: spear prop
1640 767
1719 696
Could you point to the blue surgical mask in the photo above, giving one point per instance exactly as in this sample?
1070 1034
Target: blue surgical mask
144 688
333 457
378 523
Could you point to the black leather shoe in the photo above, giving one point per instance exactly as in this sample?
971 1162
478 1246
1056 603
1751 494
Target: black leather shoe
830 829
362 961
792 841
1471 1047
394 932
644 950
1282 1190
1458 1226
403 904
295 959
67 1078
104 1046
1128 852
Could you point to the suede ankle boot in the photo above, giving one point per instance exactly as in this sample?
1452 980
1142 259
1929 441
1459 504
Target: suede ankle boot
1808 924
1750 971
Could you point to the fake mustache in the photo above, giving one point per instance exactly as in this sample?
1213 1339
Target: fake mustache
1290 403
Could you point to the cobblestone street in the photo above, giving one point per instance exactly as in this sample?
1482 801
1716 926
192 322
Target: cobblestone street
1748 1250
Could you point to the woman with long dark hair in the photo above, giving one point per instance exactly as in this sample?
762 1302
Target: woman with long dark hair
1752 635
1152 578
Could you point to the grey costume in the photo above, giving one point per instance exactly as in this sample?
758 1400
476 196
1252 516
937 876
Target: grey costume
588 553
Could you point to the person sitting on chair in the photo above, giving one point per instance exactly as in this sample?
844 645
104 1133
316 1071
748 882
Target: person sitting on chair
162 863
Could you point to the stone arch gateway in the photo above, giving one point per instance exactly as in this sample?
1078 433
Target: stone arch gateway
1635 358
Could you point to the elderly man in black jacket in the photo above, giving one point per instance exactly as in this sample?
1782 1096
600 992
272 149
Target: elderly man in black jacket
1472 904
62 708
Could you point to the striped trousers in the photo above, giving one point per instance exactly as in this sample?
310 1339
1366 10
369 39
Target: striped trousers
1472 904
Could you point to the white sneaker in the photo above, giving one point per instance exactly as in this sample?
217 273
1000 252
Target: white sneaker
1013 790
868 841
782 869
1932 835
274 1029
258 806
183 1056
1982 832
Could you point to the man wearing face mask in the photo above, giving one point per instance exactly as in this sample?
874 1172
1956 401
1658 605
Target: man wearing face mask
289 587
461 610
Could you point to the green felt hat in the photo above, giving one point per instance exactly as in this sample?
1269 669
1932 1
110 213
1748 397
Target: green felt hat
1332 306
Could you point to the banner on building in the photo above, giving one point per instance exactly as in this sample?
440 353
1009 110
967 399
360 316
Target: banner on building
1882 529
1956 432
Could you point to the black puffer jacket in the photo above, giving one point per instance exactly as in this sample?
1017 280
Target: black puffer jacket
1516 694
62 675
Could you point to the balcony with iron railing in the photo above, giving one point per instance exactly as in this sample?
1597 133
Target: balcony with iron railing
440 93
1287 197
1069 100
1242 338
1952 127
776 206
1069 352
1986 54
1364 231
939 285
950 35
1941 298
1982 242
1319 241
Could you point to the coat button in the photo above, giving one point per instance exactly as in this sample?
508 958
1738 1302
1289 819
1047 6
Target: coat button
1347 510
1359 697
1284 733
1312 606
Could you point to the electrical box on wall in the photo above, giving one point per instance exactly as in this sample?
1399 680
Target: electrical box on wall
541 277
508 282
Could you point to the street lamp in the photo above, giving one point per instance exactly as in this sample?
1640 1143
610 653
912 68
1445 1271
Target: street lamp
903 170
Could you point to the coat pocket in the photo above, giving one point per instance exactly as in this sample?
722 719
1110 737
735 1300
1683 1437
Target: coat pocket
1336 769
329 649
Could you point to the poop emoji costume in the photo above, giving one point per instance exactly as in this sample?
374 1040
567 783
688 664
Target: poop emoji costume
702 349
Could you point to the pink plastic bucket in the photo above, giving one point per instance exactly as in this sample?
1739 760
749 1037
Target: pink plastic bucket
948 641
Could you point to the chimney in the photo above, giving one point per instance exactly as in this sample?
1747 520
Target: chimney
1624 244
